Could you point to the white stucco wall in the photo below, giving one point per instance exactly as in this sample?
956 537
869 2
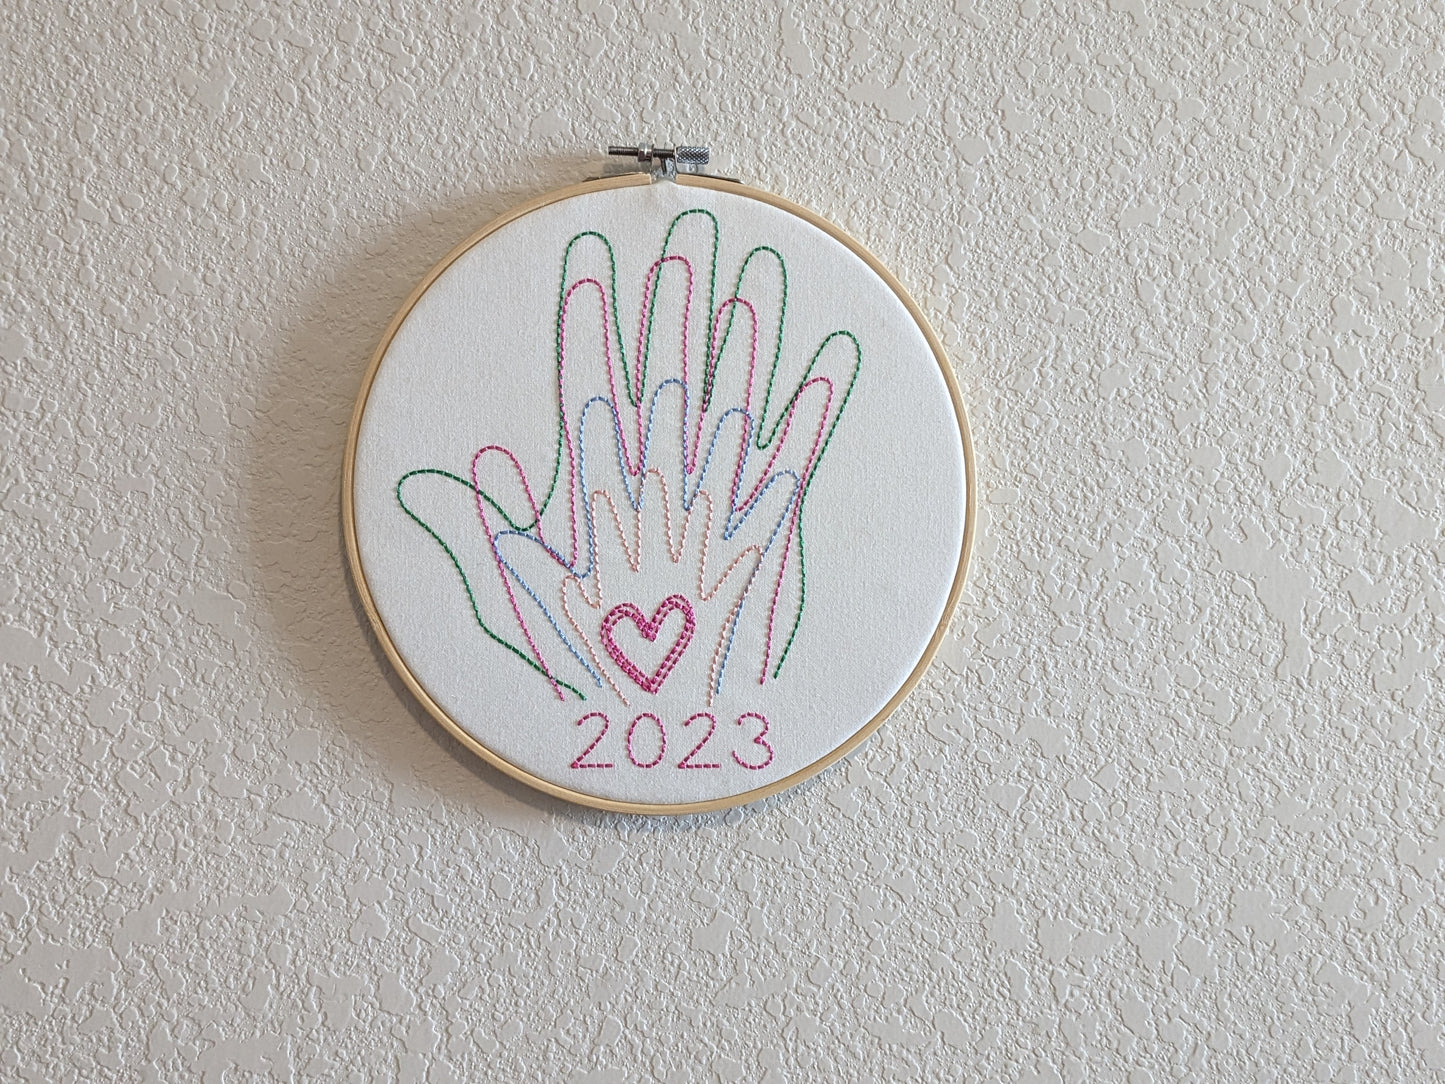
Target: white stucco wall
1169 805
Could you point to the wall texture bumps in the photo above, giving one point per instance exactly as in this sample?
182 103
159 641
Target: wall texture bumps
1167 807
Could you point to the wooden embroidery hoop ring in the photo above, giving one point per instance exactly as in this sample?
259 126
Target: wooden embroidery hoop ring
348 510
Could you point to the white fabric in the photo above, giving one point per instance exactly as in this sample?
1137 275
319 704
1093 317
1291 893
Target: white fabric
473 365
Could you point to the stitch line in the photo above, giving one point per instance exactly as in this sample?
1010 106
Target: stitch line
501 565
572 457
629 549
606 722
457 564
573 581
782 323
767 471
611 285
622 468
807 485
796 506
649 628
730 305
724 644
761 739
563 294
686 762
651 421
661 738
645 320
712 264
535 597
731 625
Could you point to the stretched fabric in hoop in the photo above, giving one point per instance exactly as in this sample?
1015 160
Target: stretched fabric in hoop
671 452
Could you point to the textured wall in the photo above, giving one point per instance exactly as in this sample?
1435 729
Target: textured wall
1168 807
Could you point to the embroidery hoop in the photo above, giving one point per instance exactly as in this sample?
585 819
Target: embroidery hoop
419 690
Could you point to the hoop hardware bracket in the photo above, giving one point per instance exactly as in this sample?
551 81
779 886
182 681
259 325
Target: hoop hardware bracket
664 163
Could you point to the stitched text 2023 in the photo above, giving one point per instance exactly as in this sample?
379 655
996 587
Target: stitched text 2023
710 744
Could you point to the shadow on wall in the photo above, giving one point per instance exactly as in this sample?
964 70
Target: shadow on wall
293 522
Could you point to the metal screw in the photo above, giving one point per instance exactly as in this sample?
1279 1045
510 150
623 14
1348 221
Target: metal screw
665 160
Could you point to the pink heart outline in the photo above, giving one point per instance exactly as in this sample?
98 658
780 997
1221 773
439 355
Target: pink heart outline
649 628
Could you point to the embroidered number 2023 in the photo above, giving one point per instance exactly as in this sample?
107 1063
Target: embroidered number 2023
647 732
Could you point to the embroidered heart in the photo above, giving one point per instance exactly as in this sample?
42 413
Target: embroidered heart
649 627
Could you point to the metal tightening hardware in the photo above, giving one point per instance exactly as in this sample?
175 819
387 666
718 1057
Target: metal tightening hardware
664 162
